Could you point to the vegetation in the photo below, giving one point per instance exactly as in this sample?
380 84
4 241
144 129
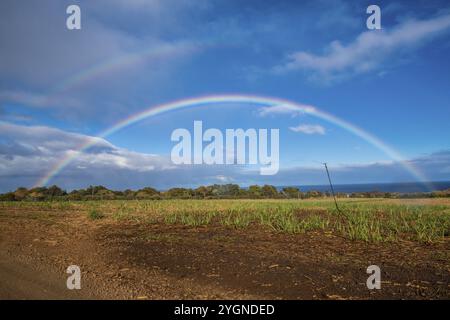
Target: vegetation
370 220
368 216
95 215
227 191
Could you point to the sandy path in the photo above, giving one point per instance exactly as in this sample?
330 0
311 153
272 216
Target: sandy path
21 280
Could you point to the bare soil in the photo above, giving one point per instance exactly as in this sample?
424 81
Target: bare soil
135 260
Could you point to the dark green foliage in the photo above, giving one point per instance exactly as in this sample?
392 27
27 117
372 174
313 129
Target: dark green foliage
292 192
216 191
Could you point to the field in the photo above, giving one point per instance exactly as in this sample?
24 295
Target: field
173 249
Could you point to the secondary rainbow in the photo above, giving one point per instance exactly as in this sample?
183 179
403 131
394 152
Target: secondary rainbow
104 67
219 100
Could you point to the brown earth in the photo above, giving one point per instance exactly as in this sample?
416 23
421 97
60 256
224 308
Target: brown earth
133 260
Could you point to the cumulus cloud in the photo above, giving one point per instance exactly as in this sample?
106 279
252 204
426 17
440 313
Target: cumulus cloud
309 129
293 111
31 151
368 51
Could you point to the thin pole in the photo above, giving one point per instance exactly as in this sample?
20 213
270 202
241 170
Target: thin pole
331 186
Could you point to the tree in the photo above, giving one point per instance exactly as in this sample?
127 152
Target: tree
269 191
129 194
202 192
37 194
225 190
55 191
254 191
147 193
314 194
105 194
179 193
292 192
7 197
20 194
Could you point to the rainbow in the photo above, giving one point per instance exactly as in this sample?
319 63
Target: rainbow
217 100
109 65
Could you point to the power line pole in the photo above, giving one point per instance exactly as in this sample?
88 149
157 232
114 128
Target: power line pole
331 186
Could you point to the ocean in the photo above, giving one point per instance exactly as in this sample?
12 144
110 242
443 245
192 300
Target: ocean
406 187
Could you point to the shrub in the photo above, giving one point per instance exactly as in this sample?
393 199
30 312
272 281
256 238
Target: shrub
95 215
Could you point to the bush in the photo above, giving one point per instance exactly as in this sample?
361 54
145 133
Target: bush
95 215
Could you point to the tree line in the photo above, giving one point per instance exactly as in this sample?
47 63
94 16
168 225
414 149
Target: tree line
216 191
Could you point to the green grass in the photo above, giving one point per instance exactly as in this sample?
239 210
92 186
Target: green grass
94 214
370 220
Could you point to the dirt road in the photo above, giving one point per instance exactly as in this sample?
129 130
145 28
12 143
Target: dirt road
22 280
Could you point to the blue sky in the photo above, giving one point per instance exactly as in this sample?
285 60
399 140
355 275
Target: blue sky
60 87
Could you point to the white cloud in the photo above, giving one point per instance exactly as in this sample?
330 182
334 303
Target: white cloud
33 150
309 129
224 179
284 109
367 51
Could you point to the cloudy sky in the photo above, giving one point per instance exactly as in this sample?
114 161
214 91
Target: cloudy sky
60 88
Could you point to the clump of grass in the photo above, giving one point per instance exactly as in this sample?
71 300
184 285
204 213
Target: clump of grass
360 226
94 214
292 224
236 218
120 214
189 217
382 223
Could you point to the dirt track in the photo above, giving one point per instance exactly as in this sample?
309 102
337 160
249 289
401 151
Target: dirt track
127 260
22 280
